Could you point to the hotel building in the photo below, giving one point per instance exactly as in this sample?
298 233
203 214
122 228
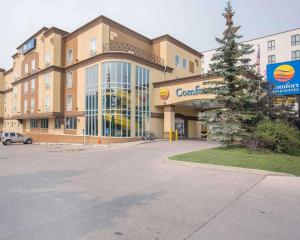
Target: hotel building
275 48
102 81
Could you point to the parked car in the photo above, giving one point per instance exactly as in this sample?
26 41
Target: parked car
7 138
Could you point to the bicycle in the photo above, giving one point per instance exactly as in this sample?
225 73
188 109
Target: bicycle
148 136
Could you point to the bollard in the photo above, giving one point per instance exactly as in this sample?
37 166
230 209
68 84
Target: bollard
176 135
171 136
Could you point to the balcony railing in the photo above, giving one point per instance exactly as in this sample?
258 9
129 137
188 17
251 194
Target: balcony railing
125 47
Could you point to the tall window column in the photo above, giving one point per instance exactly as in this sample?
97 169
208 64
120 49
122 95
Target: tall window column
116 99
142 108
91 101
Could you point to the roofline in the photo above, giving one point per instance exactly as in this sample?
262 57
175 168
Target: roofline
169 38
270 35
15 55
34 35
56 30
191 79
9 71
2 70
120 27
103 19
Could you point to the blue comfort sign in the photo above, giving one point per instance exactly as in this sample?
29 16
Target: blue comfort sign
285 77
180 92
28 46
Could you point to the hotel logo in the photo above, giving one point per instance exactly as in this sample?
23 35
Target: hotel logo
164 94
284 73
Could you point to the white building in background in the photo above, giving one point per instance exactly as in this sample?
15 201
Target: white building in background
279 47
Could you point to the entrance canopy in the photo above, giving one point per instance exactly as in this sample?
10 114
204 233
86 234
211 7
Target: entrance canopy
183 91
182 100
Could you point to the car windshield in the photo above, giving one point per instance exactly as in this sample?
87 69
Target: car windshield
19 135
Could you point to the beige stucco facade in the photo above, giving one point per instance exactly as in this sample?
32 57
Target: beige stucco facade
45 94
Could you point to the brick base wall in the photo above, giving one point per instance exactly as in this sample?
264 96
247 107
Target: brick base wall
52 138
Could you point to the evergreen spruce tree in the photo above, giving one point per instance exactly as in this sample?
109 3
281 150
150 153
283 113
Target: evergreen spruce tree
245 96
238 90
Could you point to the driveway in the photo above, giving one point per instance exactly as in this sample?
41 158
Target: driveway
127 191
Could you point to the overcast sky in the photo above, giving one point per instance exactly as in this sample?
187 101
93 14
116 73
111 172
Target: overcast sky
195 22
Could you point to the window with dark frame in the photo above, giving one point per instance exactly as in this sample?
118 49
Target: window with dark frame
295 39
71 123
271 45
44 123
58 122
271 59
33 123
296 55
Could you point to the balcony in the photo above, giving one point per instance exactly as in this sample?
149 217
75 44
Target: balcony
127 48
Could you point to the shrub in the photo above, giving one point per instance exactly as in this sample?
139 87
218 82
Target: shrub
278 136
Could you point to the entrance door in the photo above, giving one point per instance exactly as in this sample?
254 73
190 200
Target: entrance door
179 126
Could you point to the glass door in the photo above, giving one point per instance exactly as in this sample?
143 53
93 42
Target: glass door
179 126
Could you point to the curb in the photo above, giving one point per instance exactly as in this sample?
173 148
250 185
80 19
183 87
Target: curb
154 141
227 168
71 144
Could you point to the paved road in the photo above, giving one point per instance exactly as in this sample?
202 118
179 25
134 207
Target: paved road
128 192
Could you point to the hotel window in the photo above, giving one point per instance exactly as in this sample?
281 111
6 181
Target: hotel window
271 45
91 101
47 81
69 103
14 107
58 123
47 103
14 92
142 108
33 65
93 46
271 59
33 123
177 60
69 55
25 88
296 55
25 106
184 63
116 99
26 68
71 123
44 123
192 67
295 39
47 59
32 104
69 79
33 85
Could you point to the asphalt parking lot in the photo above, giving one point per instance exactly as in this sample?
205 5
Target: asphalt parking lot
128 191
